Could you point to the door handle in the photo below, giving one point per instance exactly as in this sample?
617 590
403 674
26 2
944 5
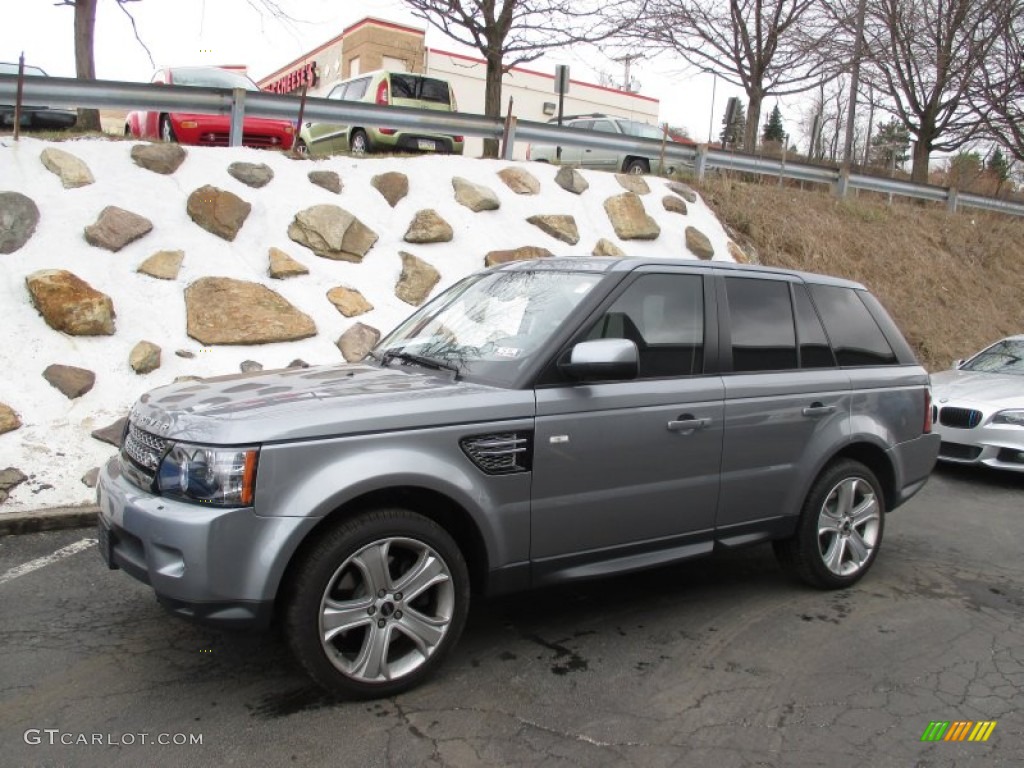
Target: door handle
818 409
687 424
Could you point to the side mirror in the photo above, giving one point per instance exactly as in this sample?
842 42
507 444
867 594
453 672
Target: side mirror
958 364
602 360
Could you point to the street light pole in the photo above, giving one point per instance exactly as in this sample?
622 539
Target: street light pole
858 45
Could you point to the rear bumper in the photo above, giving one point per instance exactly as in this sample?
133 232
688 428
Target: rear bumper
414 142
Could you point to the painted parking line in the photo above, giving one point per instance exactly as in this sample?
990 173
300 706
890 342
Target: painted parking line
42 562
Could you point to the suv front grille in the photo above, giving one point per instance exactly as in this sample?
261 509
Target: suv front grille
143 449
500 454
960 418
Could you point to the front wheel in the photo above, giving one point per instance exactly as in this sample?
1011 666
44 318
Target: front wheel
377 603
166 131
840 528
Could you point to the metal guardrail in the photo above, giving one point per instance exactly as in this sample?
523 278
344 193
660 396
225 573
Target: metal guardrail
70 92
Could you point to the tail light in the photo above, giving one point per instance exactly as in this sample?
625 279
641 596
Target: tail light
388 131
383 97
927 411
458 139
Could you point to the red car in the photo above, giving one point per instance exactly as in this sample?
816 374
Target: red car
207 130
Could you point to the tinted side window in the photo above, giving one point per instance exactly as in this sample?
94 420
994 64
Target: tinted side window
761 318
664 316
584 125
356 89
856 337
434 90
815 351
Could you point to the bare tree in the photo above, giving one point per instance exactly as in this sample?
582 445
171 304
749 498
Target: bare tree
999 98
511 32
766 47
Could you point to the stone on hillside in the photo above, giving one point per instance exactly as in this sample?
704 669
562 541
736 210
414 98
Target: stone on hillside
298 362
606 247
329 180
629 219
673 204
560 227
185 353
218 211
111 433
417 280
72 382
182 380
283 266
348 301
332 232
71 171
357 341
10 479
164 265
738 254
683 191
633 182
698 244
19 216
69 304
116 227
144 357
393 185
9 419
571 180
90 478
221 310
428 227
250 366
254 175
476 197
160 158
525 253
520 181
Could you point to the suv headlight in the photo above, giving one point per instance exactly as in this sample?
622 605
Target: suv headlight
225 477
1014 418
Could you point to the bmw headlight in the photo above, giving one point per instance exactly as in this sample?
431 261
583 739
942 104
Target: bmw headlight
225 477
1014 418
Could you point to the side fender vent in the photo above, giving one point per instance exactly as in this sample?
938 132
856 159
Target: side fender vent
501 454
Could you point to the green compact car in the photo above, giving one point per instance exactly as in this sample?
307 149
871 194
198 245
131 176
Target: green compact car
398 89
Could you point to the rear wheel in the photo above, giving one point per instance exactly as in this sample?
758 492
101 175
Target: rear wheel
840 528
636 166
359 144
166 131
301 149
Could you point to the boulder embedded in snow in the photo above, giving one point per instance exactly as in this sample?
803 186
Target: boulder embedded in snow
632 182
90 478
144 357
163 265
560 227
429 227
9 419
520 181
329 180
673 204
283 266
417 280
111 433
160 158
683 191
348 301
221 310
19 216
738 254
116 227
571 180
70 381
629 219
698 244
392 185
253 175
332 232
357 341
69 304
606 247
218 211
250 366
71 171
476 197
10 479
525 253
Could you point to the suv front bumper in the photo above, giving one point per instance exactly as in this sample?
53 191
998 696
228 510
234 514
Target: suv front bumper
215 565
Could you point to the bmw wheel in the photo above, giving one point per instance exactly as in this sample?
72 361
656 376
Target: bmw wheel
377 603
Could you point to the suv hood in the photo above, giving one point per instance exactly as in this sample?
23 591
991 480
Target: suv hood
326 401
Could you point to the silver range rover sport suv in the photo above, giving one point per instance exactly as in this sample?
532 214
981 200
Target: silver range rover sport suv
535 423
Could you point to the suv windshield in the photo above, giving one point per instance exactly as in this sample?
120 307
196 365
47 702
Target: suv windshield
1006 356
489 326
211 77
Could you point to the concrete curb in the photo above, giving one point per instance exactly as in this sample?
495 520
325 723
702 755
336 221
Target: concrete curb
55 519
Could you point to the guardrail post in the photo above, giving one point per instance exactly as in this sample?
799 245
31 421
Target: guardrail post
237 116
700 162
510 138
843 182
951 201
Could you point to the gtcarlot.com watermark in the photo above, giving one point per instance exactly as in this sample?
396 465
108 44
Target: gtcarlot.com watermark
56 737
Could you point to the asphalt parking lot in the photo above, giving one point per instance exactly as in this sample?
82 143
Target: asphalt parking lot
719 662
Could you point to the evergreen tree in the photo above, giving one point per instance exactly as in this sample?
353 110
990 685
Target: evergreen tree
890 145
773 130
732 132
998 165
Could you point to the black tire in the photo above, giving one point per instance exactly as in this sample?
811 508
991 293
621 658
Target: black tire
359 142
840 528
166 129
386 641
301 149
636 166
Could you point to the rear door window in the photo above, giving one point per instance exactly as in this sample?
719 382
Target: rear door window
761 315
815 351
856 337
604 126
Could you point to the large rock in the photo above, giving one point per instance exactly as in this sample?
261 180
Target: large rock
520 181
283 266
698 244
19 216
417 280
69 304
112 433
632 182
429 227
218 211
606 247
332 232
254 175
560 227
476 197
72 382
90 478
525 253
164 265
144 357
9 419
329 180
116 227
10 479
160 158
683 191
673 204
348 301
221 310
738 254
629 219
71 171
393 185
357 341
571 180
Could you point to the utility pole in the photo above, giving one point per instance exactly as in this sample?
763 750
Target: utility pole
626 61
858 47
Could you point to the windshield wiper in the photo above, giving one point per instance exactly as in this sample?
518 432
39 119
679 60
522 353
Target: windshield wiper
421 360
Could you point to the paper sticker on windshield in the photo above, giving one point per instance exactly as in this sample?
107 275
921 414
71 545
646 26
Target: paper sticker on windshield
507 352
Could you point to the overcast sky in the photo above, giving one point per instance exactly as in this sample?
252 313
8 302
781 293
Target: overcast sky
231 32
